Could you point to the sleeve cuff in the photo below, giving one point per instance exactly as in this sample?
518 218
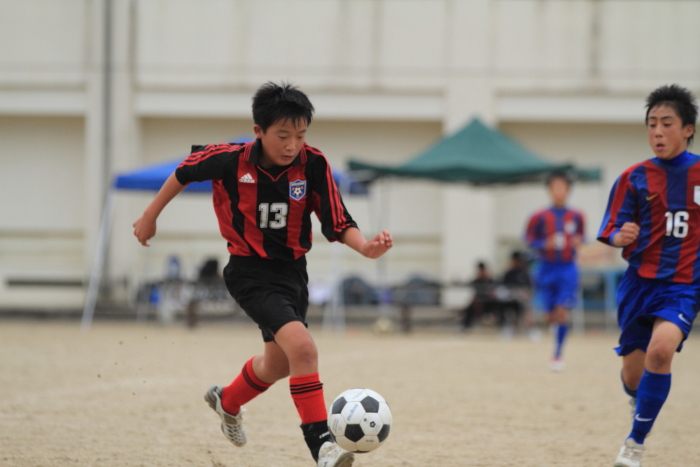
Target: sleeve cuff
609 238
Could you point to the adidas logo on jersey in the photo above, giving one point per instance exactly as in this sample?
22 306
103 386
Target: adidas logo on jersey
246 179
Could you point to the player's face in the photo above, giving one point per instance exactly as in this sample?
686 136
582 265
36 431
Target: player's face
558 191
281 142
667 135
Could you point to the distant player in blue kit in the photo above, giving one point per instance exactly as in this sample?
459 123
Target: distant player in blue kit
555 233
654 215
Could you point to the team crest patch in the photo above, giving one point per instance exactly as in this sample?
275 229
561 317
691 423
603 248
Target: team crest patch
696 195
297 189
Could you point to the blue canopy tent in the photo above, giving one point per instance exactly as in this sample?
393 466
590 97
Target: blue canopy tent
151 178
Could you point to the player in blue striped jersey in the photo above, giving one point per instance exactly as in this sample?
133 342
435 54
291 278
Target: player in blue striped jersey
654 215
554 234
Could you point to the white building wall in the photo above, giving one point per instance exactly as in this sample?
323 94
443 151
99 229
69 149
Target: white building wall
388 77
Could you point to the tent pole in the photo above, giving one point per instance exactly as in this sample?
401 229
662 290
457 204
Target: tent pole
98 262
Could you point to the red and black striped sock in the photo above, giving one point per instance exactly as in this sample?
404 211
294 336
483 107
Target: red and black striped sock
307 393
244 388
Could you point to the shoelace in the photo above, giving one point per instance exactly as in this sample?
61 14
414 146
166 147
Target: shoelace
632 454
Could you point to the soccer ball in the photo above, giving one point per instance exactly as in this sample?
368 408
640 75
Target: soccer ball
359 420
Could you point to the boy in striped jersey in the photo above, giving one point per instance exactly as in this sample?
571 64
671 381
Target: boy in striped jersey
264 195
654 215
555 234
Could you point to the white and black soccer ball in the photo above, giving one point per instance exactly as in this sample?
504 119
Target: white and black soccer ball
359 420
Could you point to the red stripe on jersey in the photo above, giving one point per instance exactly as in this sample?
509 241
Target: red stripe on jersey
312 150
316 204
568 252
246 151
656 184
339 220
533 224
200 156
296 213
550 223
623 185
248 205
689 247
224 215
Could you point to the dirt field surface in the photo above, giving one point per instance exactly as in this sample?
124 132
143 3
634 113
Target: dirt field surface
125 394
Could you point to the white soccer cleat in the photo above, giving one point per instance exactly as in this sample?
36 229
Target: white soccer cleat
332 455
630 454
557 364
231 425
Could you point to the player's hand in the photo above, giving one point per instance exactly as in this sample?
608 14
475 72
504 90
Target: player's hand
144 229
550 243
576 241
379 245
628 233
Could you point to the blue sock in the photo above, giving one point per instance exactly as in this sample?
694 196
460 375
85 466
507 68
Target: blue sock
628 391
562 329
651 394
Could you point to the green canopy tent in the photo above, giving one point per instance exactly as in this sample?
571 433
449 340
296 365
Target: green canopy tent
476 154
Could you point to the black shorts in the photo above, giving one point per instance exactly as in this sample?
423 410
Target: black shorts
272 292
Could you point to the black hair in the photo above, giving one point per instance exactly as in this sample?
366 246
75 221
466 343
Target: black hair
516 255
558 174
481 265
680 100
274 102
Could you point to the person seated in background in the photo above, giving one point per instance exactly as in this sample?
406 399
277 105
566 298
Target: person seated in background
484 300
518 285
208 278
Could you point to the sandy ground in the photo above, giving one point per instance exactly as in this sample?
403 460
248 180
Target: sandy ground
130 394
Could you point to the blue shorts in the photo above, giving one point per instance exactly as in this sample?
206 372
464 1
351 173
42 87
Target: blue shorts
641 301
556 284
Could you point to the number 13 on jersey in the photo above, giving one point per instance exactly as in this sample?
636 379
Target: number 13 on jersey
279 210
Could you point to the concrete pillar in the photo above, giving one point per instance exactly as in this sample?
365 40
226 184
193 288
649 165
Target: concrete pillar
111 125
95 164
468 222
125 147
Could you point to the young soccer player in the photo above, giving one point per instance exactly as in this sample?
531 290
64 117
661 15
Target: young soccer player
264 194
654 215
555 233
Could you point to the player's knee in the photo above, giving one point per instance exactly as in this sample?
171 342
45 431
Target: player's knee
305 352
561 315
659 356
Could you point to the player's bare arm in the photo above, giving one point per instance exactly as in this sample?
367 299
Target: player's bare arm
145 226
373 248
627 234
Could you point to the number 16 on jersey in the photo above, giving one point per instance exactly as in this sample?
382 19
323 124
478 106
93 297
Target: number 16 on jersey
677 224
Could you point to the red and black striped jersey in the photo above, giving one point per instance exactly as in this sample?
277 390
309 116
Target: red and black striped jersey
267 212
